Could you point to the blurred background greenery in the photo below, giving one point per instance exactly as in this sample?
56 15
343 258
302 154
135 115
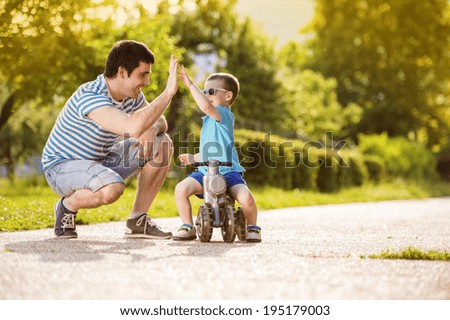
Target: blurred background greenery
374 74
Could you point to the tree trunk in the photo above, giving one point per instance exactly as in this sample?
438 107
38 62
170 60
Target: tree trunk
10 173
7 110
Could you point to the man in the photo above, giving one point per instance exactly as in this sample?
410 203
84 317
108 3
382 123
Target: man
107 132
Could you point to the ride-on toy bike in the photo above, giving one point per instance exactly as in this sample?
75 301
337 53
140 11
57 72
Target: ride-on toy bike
218 210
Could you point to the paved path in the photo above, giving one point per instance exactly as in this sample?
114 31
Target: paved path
307 253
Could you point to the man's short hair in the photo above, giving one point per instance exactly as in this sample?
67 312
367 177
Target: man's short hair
127 54
230 82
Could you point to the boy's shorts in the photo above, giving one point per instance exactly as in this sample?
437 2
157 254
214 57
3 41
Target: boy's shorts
122 162
233 178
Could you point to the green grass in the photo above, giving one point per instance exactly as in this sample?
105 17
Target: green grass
412 253
28 206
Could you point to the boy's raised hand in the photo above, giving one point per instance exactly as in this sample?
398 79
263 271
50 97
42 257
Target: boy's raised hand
184 77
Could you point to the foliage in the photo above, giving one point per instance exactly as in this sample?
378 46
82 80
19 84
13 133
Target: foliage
29 206
212 35
313 108
328 174
252 59
367 68
154 31
204 29
400 157
375 169
78 45
41 43
412 253
391 58
25 136
352 170
289 163
43 58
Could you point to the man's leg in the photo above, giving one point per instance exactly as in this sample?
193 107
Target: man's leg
87 199
152 176
82 184
150 180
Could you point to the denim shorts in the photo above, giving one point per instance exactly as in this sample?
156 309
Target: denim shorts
232 178
122 162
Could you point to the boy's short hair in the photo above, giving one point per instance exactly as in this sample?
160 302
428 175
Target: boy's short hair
231 83
127 54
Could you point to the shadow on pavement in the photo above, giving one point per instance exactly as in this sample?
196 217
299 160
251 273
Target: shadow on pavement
209 249
57 250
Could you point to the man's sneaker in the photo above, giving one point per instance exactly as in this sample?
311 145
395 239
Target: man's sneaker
65 227
253 234
144 227
185 232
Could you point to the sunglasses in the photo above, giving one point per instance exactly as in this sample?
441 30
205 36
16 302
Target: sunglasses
212 91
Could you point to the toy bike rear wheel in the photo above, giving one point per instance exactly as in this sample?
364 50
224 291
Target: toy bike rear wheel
241 225
204 223
229 225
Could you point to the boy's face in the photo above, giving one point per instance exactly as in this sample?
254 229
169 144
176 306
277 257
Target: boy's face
221 96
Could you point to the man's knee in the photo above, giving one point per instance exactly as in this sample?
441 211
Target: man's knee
111 192
165 152
166 144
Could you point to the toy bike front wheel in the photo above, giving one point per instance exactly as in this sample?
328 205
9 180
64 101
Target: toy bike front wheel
204 223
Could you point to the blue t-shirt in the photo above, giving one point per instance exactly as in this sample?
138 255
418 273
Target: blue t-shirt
217 141
75 136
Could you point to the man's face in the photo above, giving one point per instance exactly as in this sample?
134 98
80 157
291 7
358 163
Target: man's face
139 78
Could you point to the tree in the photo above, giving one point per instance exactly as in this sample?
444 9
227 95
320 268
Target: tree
44 57
41 49
203 29
391 57
211 30
252 59
313 109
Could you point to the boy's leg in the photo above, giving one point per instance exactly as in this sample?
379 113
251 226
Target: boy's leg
183 191
243 195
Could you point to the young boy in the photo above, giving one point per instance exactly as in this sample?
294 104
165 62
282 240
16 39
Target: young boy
216 143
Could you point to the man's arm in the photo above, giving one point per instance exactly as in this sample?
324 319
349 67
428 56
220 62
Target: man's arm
135 124
160 125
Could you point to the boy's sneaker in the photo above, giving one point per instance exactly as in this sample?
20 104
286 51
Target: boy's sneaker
65 227
185 232
144 227
253 234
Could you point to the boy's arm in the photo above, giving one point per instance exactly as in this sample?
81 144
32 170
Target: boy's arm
188 158
202 102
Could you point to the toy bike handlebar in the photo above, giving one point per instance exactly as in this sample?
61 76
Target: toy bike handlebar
207 163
